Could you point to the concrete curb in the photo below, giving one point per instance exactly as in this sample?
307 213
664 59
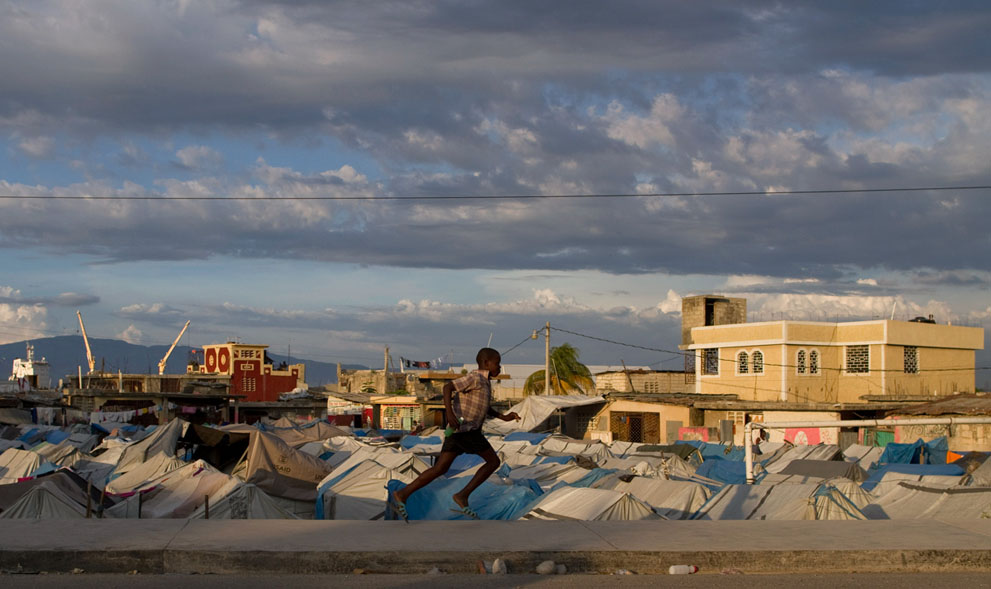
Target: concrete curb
339 547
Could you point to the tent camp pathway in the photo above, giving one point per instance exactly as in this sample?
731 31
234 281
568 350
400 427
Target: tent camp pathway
309 547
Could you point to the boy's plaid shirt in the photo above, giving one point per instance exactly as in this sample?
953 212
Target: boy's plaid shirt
471 399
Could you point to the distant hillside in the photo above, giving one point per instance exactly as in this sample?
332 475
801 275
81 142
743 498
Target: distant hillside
67 352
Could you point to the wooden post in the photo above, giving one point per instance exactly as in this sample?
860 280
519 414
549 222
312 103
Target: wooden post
103 496
89 499
206 506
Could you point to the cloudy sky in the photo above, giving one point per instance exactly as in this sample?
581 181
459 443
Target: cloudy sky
346 111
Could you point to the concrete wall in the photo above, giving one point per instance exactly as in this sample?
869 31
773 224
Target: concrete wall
961 438
726 311
643 382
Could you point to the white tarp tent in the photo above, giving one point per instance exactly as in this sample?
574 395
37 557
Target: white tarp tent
535 409
142 474
17 464
817 452
280 470
360 493
779 502
585 504
45 501
670 499
243 501
161 441
916 501
864 456
176 494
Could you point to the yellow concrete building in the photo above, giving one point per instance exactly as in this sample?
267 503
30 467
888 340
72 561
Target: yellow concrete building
816 362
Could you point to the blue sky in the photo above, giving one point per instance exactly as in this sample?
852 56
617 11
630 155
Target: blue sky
301 100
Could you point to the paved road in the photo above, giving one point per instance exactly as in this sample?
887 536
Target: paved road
718 581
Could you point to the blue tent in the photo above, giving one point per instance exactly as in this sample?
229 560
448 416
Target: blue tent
490 500
895 453
717 451
409 441
724 471
534 439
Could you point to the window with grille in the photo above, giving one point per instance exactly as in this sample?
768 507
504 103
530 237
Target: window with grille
858 359
742 363
758 359
814 362
710 361
737 417
248 385
800 362
911 360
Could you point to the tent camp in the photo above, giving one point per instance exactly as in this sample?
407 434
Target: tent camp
587 504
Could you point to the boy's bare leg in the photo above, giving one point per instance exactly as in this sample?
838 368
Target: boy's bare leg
481 475
426 477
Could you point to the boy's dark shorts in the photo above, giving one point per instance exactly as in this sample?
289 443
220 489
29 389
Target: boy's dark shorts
470 442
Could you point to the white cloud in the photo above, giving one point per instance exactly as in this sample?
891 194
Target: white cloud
21 322
38 147
672 304
196 157
850 307
131 335
654 128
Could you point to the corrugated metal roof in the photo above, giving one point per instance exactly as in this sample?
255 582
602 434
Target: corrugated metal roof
973 404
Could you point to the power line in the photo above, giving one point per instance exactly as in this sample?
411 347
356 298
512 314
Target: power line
422 197
529 337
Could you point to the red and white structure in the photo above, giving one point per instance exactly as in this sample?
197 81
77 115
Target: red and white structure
251 375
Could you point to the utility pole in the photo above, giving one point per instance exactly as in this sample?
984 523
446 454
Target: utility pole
547 359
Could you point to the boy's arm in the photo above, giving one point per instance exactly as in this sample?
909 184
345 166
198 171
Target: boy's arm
449 416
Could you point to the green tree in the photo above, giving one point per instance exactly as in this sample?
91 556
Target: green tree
568 375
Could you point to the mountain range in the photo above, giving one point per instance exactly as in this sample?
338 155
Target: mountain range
65 353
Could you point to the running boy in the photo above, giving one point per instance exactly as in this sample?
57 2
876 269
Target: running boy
467 403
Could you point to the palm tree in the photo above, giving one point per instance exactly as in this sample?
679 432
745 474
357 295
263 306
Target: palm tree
568 375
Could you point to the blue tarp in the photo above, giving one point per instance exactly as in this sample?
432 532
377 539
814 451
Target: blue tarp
717 451
902 453
464 462
57 436
936 451
911 469
96 428
588 480
555 459
490 501
724 471
409 441
534 439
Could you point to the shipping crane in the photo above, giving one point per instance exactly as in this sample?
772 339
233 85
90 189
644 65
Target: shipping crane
161 363
89 353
